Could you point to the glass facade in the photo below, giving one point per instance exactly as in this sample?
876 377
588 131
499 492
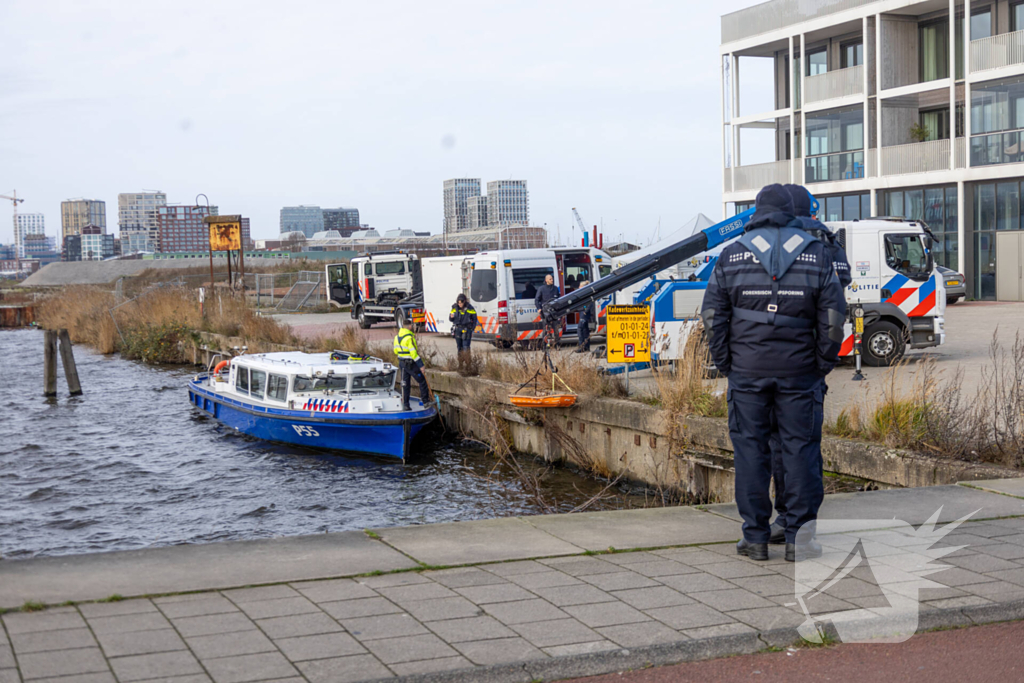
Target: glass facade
845 207
997 122
937 207
997 206
835 145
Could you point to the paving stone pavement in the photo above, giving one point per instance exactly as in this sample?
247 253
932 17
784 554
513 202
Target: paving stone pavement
452 622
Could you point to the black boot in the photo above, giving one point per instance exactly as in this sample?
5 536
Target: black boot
803 551
778 534
755 551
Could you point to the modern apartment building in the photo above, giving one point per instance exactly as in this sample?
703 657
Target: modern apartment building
28 224
91 243
889 107
137 222
457 192
508 203
477 209
75 214
344 220
181 229
308 220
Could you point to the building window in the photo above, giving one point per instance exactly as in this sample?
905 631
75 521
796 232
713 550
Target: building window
835 143
997 122
817 62
851 54
933 51
845 207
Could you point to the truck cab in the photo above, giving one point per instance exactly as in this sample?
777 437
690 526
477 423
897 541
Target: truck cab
374 285
897 284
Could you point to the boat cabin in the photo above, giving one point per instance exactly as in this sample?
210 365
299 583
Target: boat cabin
318 382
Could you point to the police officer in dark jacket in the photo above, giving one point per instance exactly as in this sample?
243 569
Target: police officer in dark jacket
774 314
463 320
547 292
802 210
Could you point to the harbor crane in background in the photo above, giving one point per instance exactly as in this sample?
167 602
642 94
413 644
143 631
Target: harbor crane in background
579 221
14 198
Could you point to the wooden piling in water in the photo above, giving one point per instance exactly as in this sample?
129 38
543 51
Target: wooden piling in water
67 357
50 364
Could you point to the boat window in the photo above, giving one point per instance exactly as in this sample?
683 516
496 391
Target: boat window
484 285
373 383
528 280
242 380
320 384
257 382
391 268
277 387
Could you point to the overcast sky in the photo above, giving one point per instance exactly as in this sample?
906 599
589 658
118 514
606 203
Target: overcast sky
609 107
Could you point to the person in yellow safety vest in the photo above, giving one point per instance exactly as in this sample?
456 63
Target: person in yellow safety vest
410 363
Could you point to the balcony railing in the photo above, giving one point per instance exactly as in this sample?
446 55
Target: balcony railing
997 148
996 51
831 167
727 180
917 157
960 150
756 176
829 86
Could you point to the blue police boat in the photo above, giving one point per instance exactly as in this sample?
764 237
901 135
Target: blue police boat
337 401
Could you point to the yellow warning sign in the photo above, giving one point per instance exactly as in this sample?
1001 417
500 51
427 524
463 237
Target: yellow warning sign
225 232
629 334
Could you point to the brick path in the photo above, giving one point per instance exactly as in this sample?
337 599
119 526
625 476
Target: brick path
514 620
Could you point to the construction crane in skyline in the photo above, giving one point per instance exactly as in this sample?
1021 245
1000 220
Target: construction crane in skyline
14 198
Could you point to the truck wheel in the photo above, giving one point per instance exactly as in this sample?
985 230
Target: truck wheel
399 317
363 322
883 344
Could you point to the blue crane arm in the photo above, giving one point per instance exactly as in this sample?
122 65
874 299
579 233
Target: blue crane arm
623 277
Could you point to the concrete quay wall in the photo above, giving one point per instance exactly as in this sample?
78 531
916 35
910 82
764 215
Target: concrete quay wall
691 454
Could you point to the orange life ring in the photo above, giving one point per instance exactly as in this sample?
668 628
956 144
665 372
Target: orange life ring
220 366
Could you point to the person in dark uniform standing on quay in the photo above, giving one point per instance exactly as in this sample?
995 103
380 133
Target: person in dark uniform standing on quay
463 320
583 327
774 314
802 210
409 362
547 292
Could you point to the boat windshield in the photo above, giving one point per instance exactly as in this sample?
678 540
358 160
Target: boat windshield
310 385
373 383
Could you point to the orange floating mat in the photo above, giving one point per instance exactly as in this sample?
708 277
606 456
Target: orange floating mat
552 401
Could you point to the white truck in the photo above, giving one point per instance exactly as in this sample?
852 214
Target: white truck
894 279
374 285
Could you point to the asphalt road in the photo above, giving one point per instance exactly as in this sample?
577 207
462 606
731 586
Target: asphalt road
980 653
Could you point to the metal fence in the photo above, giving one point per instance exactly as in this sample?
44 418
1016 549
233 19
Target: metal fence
834 84
996 51
916 157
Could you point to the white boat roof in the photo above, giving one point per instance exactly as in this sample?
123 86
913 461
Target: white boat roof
310 364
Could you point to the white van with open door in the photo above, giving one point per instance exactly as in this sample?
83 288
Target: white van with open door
503 286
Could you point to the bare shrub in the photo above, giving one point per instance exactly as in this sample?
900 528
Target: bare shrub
685 388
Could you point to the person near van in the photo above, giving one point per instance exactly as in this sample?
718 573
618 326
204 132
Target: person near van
547 292
583 327
409 362
463 320
774 314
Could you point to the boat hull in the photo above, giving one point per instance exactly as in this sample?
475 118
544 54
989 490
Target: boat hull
388 435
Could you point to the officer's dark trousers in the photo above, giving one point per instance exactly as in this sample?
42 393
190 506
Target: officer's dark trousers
411 372
797 404
462 341
583 330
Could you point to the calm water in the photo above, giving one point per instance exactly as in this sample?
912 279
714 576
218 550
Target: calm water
130 464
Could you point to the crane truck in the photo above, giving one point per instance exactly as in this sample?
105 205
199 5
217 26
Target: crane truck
895 281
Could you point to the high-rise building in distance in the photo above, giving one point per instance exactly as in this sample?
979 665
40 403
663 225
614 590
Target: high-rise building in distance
477 207
181 228
308 220
75 214
91 243
137 220
457 192
28 224
508 203
344 220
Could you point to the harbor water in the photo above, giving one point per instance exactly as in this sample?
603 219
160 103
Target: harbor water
130 464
